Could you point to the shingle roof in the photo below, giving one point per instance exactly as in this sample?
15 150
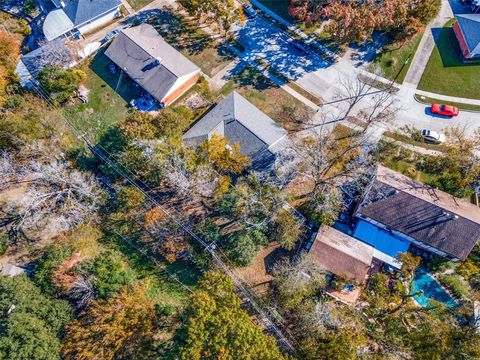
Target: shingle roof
427 215
149 60
342 254
470 25
82 11
240 122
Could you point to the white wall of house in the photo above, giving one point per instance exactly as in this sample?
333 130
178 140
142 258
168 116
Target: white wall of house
180 81
99 22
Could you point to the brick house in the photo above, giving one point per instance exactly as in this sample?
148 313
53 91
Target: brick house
152 63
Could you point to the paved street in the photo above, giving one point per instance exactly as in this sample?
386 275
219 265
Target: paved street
264 41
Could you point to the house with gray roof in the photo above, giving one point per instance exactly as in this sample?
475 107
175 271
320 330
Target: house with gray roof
398 214
240 122
53 53
467 31
152 63
79 15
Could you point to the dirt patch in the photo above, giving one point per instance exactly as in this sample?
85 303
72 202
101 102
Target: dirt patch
257 275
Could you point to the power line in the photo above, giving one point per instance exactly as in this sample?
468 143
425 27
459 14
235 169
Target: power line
210 249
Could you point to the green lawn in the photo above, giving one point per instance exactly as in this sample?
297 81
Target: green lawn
268 97
191 41
446 74
105 107
392 59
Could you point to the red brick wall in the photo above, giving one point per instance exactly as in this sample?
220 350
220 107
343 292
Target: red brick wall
185 86
461 40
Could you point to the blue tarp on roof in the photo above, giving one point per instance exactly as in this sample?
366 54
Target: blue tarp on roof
379 239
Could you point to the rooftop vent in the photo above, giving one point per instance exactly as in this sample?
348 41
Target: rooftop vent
62 4
158 60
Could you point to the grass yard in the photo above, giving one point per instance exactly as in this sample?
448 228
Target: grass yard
138 4
268 97
446 74
393 57
191 41
105 107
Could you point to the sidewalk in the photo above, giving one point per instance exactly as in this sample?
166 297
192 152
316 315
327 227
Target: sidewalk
426 46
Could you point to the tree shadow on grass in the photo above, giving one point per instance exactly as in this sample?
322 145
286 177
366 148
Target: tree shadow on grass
250 77
122 84
182 33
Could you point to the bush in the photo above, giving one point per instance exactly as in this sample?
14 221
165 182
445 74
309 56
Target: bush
14 102
457 286
109 274
61 84
30 6
52 257
3 243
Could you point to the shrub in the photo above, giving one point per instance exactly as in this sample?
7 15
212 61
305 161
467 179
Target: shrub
14 102
457 286
109 274
61 84
3 243
52 257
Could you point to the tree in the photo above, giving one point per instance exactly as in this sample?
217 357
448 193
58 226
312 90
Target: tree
218 328
56 197
107 274
120 328
9 53
51 259
30 322
295 281
286 229
223 12
243 245
60 84
225 157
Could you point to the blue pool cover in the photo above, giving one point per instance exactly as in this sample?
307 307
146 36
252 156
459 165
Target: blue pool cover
431 290
380 239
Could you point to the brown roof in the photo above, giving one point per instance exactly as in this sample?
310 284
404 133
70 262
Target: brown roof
342 254
448 202
427 215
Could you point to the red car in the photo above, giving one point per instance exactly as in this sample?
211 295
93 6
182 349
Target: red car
445 110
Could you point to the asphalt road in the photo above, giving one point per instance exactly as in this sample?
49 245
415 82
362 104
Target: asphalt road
264 41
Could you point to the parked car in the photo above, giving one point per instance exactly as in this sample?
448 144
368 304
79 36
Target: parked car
111 34
249 10
300 46
433 136
445 110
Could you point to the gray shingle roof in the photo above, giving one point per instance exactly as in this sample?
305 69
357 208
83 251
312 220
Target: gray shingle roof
149 60
429 216
470 25
240 122
83 11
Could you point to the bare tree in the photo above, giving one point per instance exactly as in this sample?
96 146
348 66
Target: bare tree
81 293
51 196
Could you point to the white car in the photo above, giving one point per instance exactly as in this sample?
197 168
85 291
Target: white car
433 136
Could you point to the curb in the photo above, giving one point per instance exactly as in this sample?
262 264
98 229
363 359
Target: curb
463 110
